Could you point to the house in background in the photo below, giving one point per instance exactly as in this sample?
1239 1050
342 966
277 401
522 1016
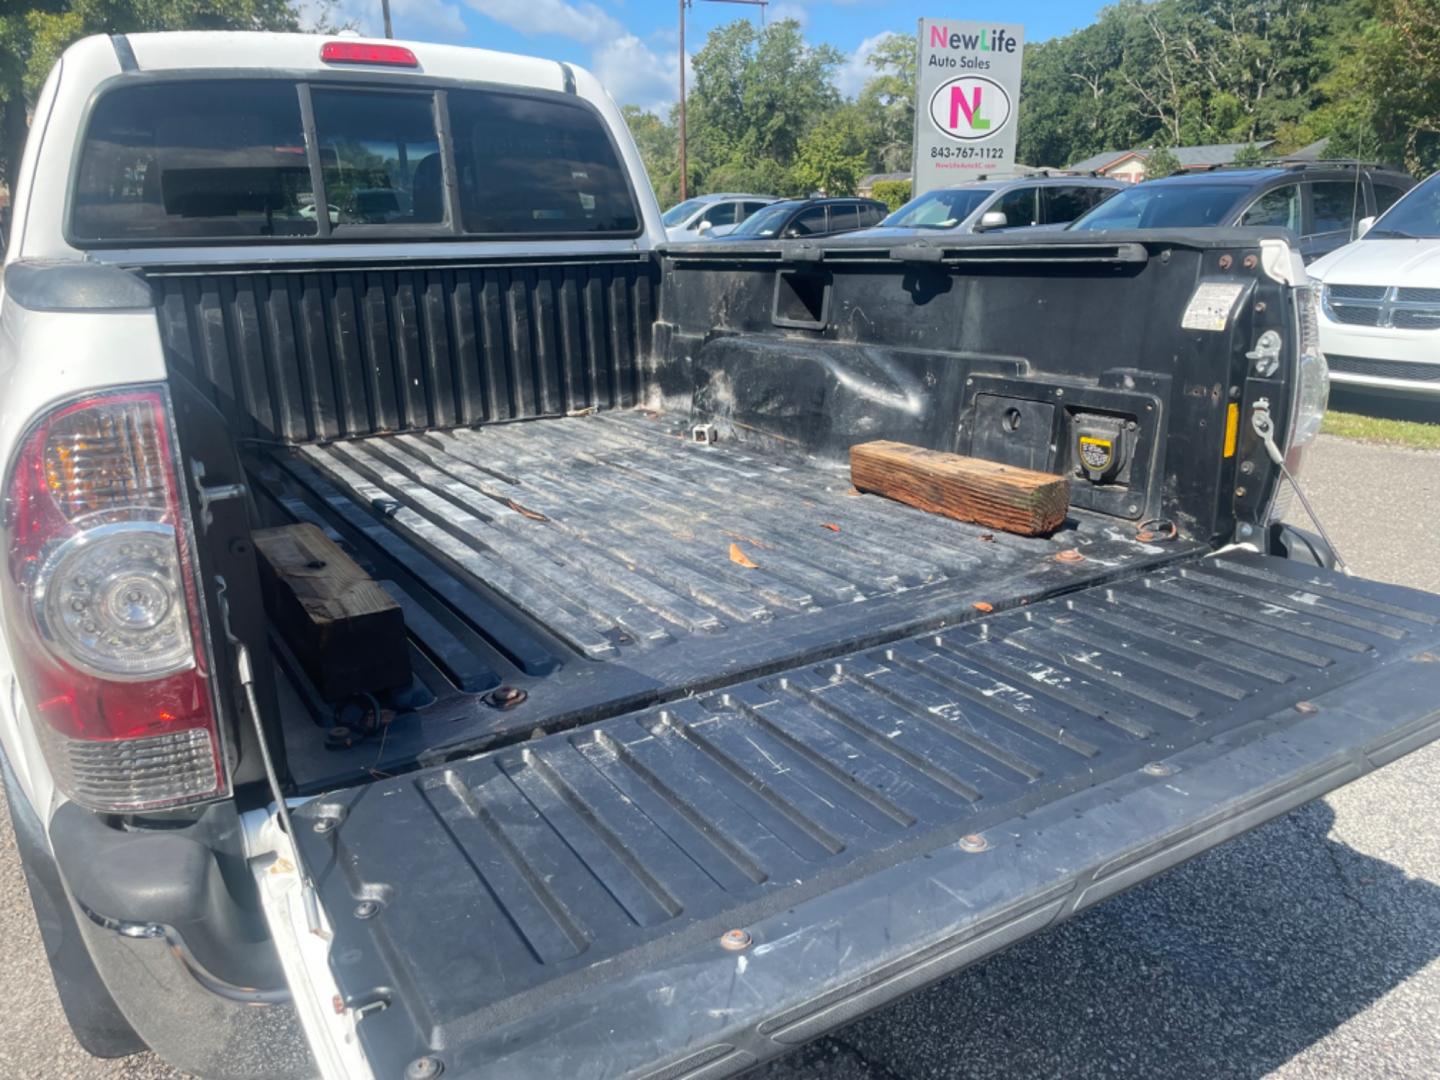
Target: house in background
866 187
1319 150
1129 165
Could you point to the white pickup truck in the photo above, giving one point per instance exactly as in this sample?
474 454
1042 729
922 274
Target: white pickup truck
695 752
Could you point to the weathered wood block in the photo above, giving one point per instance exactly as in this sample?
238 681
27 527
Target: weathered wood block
346 631
965 488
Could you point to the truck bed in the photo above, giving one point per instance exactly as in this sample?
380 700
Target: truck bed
607 561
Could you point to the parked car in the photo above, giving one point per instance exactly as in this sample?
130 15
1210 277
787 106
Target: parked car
630 740
711 215
995 205
1320 203
810 218
1380 300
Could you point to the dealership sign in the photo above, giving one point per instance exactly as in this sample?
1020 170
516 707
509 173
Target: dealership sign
968 101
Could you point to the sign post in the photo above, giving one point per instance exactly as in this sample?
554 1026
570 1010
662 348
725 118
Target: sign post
967 103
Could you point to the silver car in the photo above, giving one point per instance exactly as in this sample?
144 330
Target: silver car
710 215
1016 203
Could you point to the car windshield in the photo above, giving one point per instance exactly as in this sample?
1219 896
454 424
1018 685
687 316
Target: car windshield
767 222
943 209
677 214
1163 206
1415 217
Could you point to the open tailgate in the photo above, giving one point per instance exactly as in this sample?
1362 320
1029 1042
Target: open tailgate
871 823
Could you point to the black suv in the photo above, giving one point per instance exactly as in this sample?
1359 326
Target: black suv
1319 202
809 217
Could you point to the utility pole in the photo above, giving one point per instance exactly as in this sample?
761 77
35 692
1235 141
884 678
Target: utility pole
684 163
385 10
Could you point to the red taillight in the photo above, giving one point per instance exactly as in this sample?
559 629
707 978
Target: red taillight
359 52
101 607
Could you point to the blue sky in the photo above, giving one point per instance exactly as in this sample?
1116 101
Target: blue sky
631 44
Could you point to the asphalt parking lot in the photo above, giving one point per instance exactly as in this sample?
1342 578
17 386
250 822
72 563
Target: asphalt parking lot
1308 948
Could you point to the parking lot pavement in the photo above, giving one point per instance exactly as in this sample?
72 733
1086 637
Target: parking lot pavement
1308 948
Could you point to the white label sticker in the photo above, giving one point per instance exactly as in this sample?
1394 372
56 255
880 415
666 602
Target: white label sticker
1209 308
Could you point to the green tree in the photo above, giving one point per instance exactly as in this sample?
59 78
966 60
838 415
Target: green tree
34 33
658 141
1178 72
1159 162
893 193
1384 96
1249 154
757 94
834 154
888 101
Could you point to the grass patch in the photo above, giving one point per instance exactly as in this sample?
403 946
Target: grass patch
1375 429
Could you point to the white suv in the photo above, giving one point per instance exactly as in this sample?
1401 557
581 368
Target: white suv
1380 316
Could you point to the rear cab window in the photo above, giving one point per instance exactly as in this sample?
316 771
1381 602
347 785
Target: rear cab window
218 160
170 161
380 157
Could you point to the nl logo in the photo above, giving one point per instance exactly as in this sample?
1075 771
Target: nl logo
970 107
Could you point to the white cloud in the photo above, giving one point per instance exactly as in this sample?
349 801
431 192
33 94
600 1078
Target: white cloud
635 75
780 12
427 20
633 72
582 22
856 71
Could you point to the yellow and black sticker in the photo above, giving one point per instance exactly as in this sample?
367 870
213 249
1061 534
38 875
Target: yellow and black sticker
1096 453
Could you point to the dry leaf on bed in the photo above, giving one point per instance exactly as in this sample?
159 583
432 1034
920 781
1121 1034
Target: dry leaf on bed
741 559
830 525
533 515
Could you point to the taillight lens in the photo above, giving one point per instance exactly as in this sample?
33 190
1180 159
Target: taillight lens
101 607
1312 394
1312 376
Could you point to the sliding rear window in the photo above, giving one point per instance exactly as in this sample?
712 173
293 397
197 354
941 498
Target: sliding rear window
216 159
220 160
532 165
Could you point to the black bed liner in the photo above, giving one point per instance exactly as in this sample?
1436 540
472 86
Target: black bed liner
872 822
588 560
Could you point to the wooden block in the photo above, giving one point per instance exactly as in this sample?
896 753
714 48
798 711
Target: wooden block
965 488
346 631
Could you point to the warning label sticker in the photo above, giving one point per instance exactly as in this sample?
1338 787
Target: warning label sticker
1210 307
1096 453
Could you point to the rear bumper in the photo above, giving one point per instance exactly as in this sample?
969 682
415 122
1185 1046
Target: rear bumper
186 1020
184 958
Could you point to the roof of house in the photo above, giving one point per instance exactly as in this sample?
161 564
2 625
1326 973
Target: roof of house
875 178
1190 157
1316 151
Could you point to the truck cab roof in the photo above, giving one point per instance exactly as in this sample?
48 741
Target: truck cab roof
96 67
